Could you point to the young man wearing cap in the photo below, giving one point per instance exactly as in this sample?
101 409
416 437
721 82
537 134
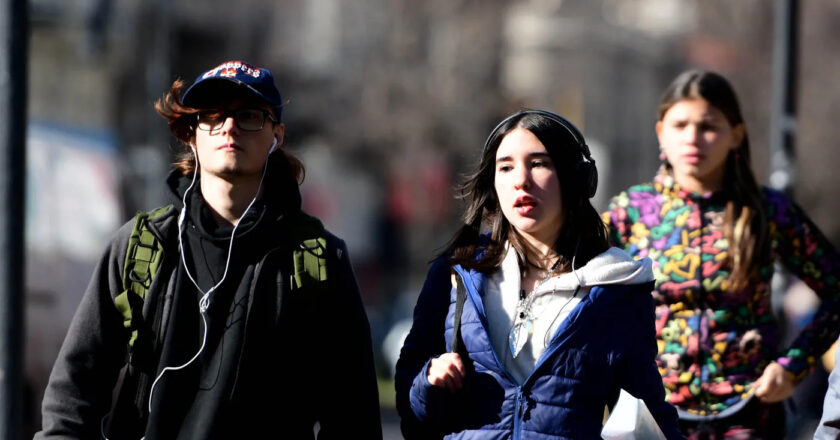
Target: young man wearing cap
236 315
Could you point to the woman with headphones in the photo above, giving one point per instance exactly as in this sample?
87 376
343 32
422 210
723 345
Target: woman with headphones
529 323
714 236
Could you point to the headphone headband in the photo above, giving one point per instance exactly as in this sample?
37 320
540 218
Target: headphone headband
573 131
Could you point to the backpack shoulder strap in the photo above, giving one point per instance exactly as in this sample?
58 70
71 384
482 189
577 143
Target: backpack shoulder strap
309 252
142 261
460 298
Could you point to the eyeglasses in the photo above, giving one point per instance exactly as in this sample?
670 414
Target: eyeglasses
246 119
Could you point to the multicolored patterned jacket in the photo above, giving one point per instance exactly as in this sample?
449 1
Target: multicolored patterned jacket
714 343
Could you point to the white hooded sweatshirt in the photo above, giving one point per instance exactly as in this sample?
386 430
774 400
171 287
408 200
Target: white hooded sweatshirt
553 300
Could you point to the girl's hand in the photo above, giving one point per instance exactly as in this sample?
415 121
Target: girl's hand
775 384
447 371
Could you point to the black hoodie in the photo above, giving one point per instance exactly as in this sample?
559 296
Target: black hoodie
275 360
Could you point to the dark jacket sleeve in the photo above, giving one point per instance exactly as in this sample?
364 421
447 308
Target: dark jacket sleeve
417 400
808 254
78 394
829 428
638 373
349 401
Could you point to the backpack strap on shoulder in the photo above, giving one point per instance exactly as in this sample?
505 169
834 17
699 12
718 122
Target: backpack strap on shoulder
309 253
460 298
142 261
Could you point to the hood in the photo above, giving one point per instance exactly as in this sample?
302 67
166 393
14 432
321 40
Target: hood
280 191
613 266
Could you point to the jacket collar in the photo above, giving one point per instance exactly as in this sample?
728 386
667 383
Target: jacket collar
667 185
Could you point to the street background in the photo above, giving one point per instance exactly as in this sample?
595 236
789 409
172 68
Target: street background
389 102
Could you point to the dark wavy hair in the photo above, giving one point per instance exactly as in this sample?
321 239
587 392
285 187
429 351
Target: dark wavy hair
745 220
182 122
582 228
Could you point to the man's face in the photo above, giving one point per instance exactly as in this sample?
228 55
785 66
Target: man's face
233 138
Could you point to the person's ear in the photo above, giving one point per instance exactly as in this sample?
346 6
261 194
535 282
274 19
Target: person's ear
279 133
739 132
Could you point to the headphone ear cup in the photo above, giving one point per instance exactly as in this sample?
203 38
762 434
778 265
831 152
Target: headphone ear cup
588 175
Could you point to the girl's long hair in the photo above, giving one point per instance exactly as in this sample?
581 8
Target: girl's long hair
182 124
745 220
582 229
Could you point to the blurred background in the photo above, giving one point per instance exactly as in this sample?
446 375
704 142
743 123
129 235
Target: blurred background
389 102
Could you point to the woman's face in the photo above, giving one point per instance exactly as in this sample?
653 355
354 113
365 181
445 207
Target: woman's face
528 187
696 138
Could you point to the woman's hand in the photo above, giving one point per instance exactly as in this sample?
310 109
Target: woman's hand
447 371
775 384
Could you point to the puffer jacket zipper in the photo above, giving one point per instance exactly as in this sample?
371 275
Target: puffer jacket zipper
519 409
517 415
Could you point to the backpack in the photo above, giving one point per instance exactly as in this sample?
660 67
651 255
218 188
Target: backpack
144 252
142 263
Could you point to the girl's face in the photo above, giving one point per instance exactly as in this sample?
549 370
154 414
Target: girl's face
528 187
696 138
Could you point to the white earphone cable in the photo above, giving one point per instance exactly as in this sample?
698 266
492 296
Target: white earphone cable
204 302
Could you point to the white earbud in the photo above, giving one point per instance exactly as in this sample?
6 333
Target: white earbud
273 146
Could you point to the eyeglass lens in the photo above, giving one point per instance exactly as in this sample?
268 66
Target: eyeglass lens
245 119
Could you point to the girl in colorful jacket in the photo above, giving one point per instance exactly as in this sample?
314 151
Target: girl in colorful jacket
528 330
714 236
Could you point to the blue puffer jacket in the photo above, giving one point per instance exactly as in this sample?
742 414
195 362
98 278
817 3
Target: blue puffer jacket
606 343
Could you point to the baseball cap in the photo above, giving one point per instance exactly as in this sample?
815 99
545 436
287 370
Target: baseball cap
257 80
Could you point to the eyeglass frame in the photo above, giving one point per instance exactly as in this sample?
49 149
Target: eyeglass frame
223 115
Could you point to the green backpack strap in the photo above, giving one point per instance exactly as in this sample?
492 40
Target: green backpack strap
142 261
309 254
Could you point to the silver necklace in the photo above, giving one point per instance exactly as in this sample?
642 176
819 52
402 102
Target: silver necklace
523 326
524 317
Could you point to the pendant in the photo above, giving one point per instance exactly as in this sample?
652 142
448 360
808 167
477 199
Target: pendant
519 335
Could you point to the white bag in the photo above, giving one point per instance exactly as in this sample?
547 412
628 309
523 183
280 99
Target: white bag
630 419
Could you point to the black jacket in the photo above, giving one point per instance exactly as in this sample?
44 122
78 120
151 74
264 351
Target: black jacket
276 360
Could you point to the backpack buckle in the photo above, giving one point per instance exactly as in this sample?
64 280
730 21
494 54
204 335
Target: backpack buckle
132 275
